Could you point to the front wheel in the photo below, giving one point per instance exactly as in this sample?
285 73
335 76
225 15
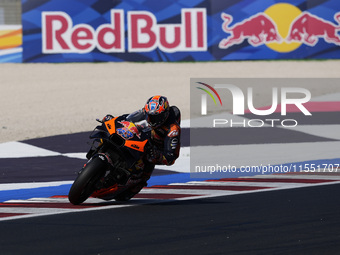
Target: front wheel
83 186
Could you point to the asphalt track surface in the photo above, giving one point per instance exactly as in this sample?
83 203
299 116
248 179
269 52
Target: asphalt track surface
295 221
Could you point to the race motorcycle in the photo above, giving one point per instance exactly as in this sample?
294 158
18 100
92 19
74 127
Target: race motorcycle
115 161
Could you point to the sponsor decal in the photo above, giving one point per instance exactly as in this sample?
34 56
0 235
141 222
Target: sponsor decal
60 35
281 27
173 133
131 127
125 133
257 29
135 146
174 143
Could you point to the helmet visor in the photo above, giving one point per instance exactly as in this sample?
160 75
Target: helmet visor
156 119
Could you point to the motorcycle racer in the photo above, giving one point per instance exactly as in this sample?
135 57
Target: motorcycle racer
164 121
125 150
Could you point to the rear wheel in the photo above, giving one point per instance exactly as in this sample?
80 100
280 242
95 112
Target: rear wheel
84 185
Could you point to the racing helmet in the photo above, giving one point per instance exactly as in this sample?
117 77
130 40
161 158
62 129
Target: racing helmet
156 110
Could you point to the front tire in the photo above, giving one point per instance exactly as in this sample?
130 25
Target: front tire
83 186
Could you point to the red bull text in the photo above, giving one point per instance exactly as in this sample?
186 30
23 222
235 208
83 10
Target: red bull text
144 34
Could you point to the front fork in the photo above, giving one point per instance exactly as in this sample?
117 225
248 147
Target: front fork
116 173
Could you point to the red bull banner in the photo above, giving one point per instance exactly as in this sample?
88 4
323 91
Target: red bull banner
59 35
287 30
197 30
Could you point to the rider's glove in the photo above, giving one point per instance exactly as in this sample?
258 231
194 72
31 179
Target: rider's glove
153 155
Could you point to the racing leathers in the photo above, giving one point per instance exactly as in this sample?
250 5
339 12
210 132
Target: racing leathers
165 143
165 139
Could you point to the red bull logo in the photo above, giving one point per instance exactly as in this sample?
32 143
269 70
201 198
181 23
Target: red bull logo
308 28
144 34
130 127
281 27
258 30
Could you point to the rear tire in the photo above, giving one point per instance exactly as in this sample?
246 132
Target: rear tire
83 186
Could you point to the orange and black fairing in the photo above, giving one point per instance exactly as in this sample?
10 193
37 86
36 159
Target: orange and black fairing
102 193
116 161
125 134
132 137
111 125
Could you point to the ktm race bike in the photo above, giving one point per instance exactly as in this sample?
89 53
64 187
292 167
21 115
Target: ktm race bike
115 164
